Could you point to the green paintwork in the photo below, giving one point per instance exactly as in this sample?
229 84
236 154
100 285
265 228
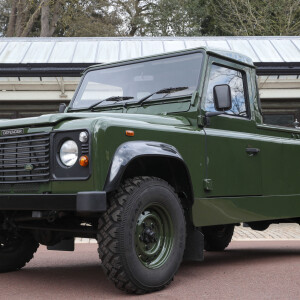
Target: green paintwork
154 236
229 185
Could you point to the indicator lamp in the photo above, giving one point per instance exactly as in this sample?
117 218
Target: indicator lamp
129 132
84 161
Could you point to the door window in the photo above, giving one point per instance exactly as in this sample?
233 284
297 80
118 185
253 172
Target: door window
234 78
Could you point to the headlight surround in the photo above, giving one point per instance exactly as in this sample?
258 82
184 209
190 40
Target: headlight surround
68 153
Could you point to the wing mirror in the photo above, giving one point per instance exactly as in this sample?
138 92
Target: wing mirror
222 97
222 101
62 107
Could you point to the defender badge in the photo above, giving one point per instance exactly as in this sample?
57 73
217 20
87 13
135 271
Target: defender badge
16 131
28 167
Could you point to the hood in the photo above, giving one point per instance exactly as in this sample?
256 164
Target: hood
53 119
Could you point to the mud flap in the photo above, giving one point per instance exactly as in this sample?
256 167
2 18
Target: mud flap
63 245
194 245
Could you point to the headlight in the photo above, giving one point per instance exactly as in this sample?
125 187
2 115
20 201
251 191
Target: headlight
68 153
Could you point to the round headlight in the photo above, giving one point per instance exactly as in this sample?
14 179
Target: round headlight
68 153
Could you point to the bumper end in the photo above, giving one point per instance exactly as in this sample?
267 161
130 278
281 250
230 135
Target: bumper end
91 202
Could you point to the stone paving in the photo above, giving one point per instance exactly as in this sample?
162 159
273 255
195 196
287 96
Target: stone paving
284 231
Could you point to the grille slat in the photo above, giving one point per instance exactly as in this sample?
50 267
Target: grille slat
22 164
24 175
25 158
29 146
33 157
27 152
22 141
22 170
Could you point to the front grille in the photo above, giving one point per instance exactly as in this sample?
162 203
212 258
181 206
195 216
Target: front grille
25 158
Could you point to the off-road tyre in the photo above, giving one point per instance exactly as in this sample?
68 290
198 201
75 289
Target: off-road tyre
16 250
125 227
217 238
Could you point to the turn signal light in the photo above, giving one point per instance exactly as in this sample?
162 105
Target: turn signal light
129 132
84 160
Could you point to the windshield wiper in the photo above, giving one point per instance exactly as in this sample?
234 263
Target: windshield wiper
166 91
113 98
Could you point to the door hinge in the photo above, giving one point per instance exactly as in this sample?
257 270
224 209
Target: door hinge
208 184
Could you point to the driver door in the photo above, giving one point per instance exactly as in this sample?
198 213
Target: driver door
233 160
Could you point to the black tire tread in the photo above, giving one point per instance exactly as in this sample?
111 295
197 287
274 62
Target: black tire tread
215 243
22 256
108 236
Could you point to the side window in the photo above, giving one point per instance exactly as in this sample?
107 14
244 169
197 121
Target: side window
234 78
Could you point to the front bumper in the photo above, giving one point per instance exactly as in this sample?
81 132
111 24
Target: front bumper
80 202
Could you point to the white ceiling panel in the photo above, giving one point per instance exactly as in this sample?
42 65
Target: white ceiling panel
63 52
130 49
108 51
85 52
14 52
195 43
288 51
296 43
2 46
265 50
101 50
174 45
219 44
152 47
38 52
244 47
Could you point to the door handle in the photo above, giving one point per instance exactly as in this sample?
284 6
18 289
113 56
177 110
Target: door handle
252 151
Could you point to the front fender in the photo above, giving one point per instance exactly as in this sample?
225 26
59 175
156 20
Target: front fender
128 151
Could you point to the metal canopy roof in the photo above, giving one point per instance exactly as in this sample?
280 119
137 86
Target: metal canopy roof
266 52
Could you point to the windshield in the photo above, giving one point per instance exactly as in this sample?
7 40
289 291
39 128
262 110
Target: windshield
136 81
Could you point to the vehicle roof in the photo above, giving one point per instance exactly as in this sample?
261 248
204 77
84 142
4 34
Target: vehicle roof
231 55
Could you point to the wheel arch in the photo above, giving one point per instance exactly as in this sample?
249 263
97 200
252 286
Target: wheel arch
147 158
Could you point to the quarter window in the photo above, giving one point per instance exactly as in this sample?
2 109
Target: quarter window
221 75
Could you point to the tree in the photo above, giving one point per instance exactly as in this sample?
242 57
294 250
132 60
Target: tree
180 18
23 15
47 18
134 14
88 18
50 13
257 17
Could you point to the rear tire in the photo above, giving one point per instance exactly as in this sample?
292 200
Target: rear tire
142 235
15 251
217 238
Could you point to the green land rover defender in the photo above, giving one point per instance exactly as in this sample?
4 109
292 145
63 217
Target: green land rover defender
158 158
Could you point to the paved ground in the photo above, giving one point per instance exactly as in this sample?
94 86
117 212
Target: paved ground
246 270
274 232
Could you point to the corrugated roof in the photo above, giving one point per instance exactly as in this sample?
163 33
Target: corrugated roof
101 50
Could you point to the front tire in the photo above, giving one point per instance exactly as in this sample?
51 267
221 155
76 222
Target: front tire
142 235
16 250
217 238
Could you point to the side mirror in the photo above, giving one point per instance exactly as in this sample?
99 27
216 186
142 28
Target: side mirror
222 97
62 107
